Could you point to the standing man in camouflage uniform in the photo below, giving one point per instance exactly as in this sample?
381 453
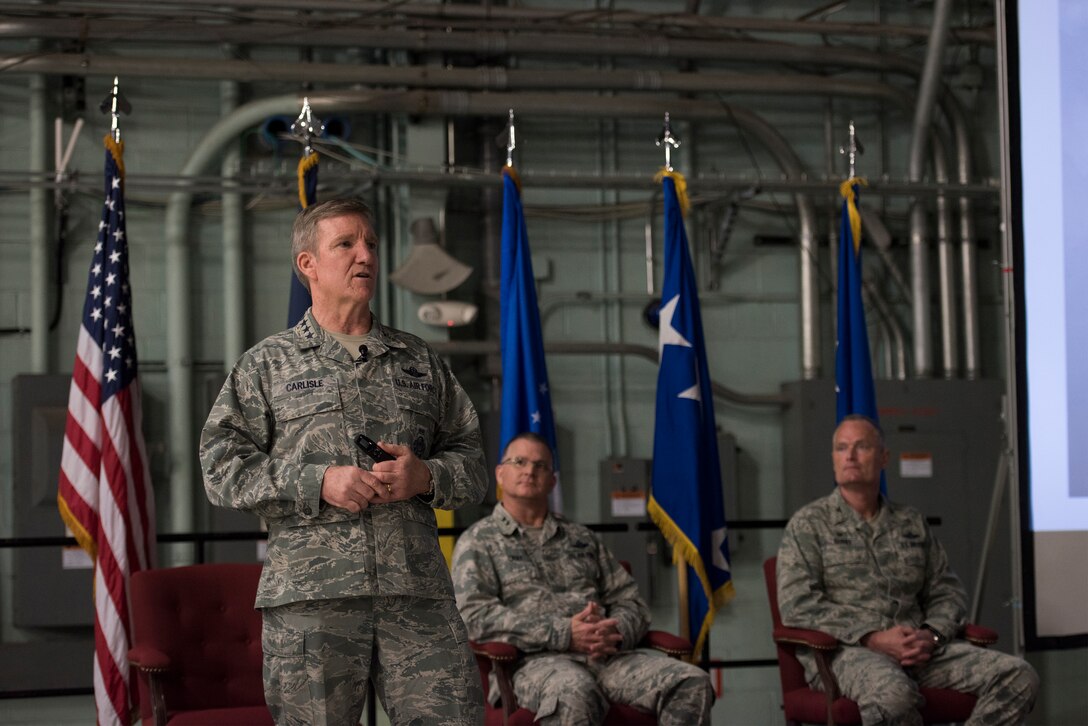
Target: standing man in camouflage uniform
870 573
354 586
527 577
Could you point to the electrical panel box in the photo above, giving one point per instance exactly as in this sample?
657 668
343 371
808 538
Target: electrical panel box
945 439
52 585
624 486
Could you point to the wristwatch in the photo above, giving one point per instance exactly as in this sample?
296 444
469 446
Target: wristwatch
428 495
937 637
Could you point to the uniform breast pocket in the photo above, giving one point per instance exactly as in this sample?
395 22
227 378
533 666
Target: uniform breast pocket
578 568
843 563
420 414
912 552
309 409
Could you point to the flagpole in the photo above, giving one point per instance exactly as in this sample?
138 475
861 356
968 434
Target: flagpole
682 603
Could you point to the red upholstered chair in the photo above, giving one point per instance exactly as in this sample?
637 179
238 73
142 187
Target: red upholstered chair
197 645
501 657
804 705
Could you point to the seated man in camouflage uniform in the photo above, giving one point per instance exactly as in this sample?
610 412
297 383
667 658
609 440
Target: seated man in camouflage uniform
527 577
870 573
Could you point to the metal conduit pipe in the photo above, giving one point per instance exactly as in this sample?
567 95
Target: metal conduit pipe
491 347
899 343
234 287
478 42
40 212
945 266
954 113
490 77
919 252
284 187
613 18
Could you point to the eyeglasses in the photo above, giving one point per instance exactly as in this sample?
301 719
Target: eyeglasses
520 462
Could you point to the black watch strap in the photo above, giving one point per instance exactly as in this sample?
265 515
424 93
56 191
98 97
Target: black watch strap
938 638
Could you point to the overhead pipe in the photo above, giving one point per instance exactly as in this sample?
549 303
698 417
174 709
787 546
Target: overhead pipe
968 250
919 250
945 266
491 347
234 262
40 212
212 184
477 41
489 77
613 18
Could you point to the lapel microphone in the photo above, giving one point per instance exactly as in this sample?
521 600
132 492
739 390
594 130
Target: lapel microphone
363 357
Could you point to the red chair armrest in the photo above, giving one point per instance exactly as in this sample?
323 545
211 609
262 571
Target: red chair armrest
667 643
803 636
979 635
501 652
148 659
502 657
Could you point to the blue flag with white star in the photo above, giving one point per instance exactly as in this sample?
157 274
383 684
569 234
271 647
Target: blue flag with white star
854 389
300 299
526 398
686 499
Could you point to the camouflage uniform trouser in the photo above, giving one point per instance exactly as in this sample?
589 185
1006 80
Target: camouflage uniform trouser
888 694
568 690
319 655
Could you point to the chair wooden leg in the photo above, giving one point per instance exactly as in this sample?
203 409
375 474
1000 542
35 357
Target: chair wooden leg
831 687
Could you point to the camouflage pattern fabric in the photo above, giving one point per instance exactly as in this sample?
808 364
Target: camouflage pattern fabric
290 409
848 577
511 590
320 654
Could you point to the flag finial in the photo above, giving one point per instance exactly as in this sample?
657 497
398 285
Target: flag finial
667 140
511 142
306 126
852 149
115 104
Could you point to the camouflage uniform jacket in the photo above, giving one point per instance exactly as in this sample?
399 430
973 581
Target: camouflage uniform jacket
290 409
511 590
848 577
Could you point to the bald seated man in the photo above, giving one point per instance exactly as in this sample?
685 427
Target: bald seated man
871 573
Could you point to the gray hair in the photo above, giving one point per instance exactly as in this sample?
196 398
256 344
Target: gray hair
304 232
862 417
530 436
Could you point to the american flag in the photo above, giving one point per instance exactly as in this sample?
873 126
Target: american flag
105 495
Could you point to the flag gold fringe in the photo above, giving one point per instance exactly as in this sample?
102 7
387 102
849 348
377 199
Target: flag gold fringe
681 186
683 549
83 537
511 172
846 189
304 165
117 151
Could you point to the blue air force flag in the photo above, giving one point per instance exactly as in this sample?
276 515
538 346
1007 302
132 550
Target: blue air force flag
526 398
686 497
